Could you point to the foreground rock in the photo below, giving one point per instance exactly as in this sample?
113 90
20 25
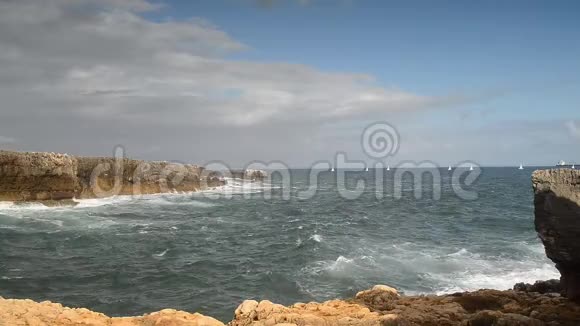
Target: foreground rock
53 178
383 306
549 286
380 305
30 313
557 220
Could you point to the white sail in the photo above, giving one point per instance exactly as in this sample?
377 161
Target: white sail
367 169
521 166
449 169
332 170
388 168
471 168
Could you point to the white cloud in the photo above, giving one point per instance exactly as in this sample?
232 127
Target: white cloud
101 65
573 129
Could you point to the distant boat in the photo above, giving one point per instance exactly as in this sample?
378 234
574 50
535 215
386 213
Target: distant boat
388 168
367 169
521 167
471 167
449 169
563 164
331 169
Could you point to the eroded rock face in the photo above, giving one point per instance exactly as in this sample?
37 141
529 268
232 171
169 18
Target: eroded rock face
37 176
103 177
249 174
379 306
549 286
30 313
557 220
48 177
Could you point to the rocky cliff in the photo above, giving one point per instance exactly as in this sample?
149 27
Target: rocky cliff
49 177
378 306
557 220
37 176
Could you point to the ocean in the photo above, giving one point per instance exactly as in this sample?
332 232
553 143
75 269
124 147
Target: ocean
207 252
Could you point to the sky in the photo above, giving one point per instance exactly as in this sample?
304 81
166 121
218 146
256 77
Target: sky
296 81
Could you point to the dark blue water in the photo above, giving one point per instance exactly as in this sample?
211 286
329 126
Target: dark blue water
128 256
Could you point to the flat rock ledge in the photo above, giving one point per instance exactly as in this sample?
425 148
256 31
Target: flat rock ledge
54 179
30 313
381 305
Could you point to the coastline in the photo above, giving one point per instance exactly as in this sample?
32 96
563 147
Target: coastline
557 202
526 305
54 179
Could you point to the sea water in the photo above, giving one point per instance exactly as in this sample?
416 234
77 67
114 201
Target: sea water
207 253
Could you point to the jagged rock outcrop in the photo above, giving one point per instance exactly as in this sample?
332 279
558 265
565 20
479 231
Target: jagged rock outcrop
37 176
383 306
557 220
30 313
249 174
102 177
549 286
51 177
380 306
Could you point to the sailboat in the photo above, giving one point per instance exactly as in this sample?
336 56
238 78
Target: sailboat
471 167
521 167
367 169
449 169
388 168
563 164
332 169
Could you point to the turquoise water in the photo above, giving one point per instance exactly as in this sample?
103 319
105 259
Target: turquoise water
196 252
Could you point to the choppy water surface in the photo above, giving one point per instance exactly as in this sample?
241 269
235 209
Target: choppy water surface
128 256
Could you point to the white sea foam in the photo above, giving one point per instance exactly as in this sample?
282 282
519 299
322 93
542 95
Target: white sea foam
461 252
317 238
11 206
500 279
341 267
298 242
176 198
161 254
463 270
443 270
181 199
97 202
201 204
239 187
340 263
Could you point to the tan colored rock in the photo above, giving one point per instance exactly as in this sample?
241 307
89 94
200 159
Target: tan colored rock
377 289
383 306
55 179
37 176
479 308
51 178
247 309
334 312
379 297
30 313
